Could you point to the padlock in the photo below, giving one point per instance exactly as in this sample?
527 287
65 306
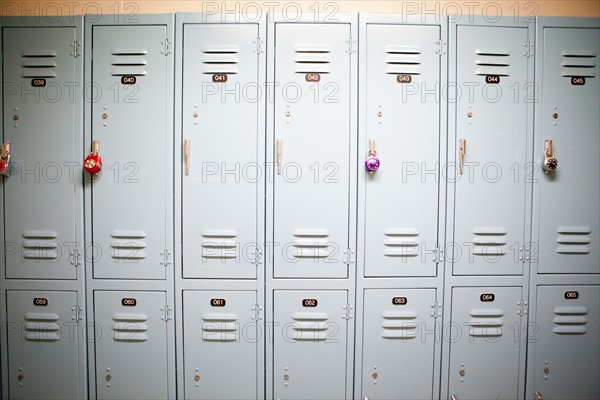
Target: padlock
372 163
93 162
5 158
550 162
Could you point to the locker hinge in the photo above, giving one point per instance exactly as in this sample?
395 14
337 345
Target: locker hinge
529 49
78 313
522 308
438 254
75 258
167 47
166 254
348 256
257 312
166 309
351 45
348 311
436 310
441 47
257 256
259 46
76 49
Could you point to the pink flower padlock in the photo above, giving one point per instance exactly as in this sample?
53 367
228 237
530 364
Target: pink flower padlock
372 163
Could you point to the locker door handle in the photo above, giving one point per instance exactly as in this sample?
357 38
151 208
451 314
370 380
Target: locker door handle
5 159
550 162
538 396
453 397
279 150
462 151
186 155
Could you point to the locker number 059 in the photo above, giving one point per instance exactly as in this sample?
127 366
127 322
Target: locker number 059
40 301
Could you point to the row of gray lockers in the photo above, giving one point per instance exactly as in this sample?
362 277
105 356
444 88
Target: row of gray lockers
236 207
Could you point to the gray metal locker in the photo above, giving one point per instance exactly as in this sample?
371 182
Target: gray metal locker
401 200
131 344
41 79
398 343
130 198
311 150
309 347
223 171
493 131
485 342
564 342
43 334
569 224
221 338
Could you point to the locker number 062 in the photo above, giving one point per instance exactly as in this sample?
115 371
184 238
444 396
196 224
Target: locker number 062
309 302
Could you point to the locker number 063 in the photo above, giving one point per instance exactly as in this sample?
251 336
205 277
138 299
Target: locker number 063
399 300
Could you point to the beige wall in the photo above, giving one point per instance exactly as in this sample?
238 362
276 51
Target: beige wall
587 8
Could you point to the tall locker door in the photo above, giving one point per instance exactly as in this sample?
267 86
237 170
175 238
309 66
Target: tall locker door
569 219
490 193
43 341
309 348
405 128
484 344
131 345
566 347
312 150
40 113
398 344
130 197
223 173
221 342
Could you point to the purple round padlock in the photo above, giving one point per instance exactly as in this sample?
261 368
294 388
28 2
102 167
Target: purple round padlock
372 164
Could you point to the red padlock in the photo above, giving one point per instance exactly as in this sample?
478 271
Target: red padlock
5 158
93 162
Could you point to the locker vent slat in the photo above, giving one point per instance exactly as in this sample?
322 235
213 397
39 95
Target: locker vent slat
220 327
578 63
573 240
399 324
219 245
570 320
38 64
486 323
42 327
310 326
403 60
129 327
401 242
129 62
312 59
489 241
39 245
492 62
311 243
220 60
127 245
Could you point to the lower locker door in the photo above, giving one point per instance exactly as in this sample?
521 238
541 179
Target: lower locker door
42 345
398 344
131 345
565 343
485 344
221 340
309 348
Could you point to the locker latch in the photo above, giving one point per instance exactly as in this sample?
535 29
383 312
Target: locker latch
93 162
550 162
538 396
5 158
372 162
186 155
462 151
279 150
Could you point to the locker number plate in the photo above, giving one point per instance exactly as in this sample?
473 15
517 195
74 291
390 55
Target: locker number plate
128 80
571 295
309 302
40 301
399 300
487 297
38 82
492 79
219 78
129 302
404 78
218 302
577 80
312 77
